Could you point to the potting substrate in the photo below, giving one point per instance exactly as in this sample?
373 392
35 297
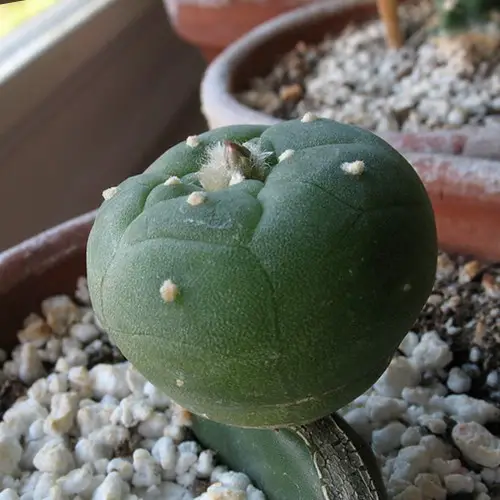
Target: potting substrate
353 77
79 422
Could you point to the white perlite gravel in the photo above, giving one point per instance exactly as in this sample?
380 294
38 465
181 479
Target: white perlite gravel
104 432
358 80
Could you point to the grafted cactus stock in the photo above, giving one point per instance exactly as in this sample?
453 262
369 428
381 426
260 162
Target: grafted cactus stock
262 277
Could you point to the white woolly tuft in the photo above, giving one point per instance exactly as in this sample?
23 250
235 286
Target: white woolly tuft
216 172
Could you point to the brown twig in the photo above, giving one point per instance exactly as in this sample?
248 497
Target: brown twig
388 12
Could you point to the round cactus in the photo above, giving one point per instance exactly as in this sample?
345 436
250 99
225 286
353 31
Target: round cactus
264 276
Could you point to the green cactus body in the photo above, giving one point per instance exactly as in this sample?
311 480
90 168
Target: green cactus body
323 460
265 281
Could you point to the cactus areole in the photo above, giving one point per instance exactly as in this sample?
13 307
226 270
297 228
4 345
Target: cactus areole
263 276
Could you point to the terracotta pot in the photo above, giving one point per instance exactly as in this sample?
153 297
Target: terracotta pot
211 25
256 53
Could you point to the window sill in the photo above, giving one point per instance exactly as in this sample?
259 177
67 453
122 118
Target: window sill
86 103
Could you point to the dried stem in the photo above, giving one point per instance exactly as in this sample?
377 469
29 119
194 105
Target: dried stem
388 12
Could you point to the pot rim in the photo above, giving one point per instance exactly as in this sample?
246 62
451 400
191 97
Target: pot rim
216 82
46 237
37 254
216 92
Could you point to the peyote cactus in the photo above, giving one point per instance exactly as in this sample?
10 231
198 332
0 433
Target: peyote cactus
263 277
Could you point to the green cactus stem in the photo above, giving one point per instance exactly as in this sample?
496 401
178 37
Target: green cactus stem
325 460
264 276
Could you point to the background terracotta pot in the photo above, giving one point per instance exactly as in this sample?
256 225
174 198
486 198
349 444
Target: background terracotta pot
211 25
257 52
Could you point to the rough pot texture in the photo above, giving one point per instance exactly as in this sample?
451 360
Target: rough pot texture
212 25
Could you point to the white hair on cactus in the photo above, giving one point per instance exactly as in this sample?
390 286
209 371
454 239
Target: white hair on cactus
215 174
353 167
108 193
192 141
236 178
228 163
169 291
259 157
196 198
172 180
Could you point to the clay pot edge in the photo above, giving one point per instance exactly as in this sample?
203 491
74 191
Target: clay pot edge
220 107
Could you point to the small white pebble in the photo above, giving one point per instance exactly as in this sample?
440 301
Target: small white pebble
458 381
475 354
411 436
87 451
388 438
9 494
399 374
30 364
109 380
172 181
483 496
112 488
410 493
84 332
196 198
122 466
236 480
381 408
218 492
430 486
169 291
434 423
192 141
431 353
477 444
10 454
466 408
77 480
153 426
54 457
459 483
101 466
147 471
205 464
108 193
288 153
409 343
445 467
354 168
165 453
492 379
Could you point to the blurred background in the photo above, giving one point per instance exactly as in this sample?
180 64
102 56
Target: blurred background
90 93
